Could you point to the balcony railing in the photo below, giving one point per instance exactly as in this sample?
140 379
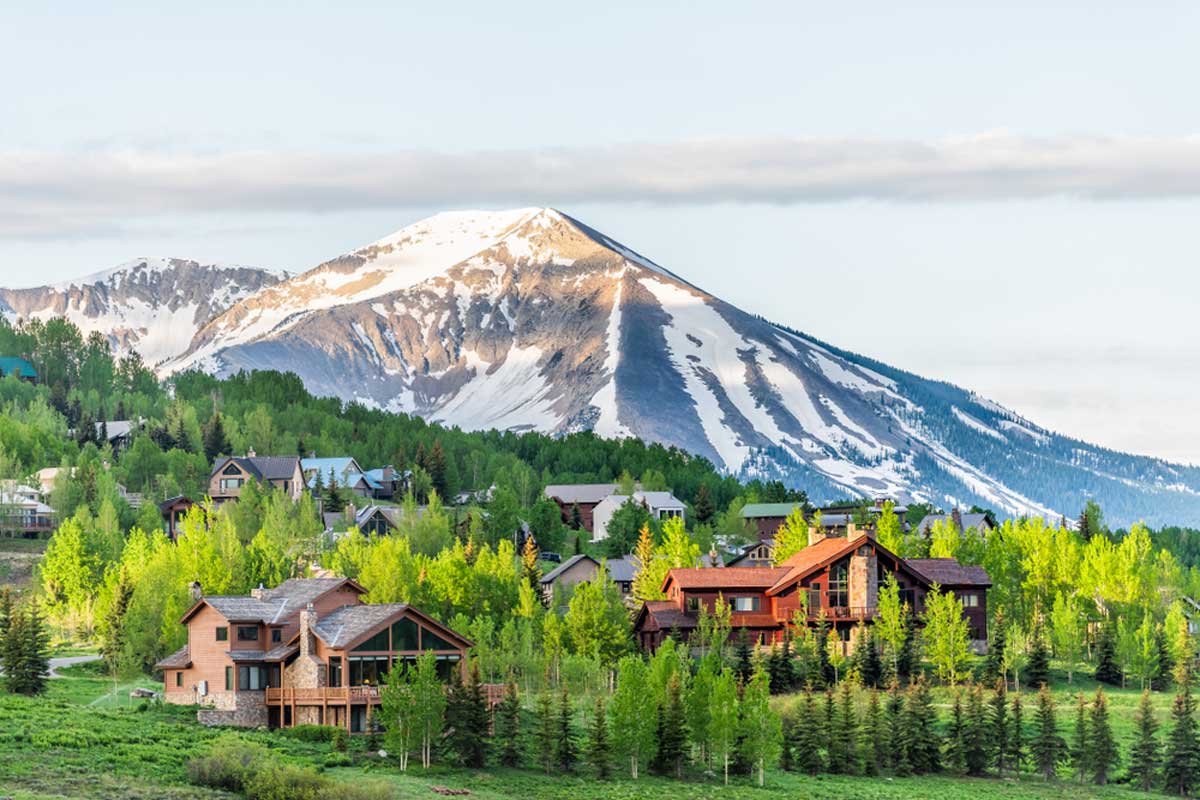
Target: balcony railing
844 612
324 694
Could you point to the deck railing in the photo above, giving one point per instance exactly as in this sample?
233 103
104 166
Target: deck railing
324 694
845 612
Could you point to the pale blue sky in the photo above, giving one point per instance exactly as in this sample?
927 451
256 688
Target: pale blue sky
1010 193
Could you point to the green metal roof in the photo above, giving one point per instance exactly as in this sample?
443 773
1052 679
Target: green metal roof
756 510
10 364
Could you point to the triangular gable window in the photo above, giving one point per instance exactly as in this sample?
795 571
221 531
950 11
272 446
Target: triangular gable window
431 641
232 469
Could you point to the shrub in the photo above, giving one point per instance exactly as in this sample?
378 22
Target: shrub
284 782
338 738
229 765
313 733
337 760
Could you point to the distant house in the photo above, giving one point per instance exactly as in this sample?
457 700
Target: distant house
22 512
370 520
582 567
119 433
18 368
308 651
767 517
661 505
173 510
230 473
584 495
342 469
961 521
757 554
390 482
838 578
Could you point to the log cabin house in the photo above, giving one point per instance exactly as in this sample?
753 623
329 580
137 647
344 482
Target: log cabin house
840 576
309 651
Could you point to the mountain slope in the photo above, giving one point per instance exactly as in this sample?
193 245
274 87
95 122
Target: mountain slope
529 319
152 305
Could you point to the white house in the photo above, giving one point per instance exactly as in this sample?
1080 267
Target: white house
661 505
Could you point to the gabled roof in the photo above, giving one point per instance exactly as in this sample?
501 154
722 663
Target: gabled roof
554 574
666 615
180 659
819 554
177 499
349 625
976 521
622 569
652 500
724 578
759 510
276 605
265 468
580 492
948 572
10 364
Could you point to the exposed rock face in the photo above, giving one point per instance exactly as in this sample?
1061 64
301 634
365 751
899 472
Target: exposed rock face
152 305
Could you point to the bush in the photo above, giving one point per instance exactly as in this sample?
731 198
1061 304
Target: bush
285 782
337 760
338 738
313 733
230 765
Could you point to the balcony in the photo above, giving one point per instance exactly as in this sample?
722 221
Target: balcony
844 612
323 695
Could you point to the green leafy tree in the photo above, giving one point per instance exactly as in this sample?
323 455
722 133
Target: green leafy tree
632 710
596 620
792 536
397 707
759 726
946 635
723 718
1066 627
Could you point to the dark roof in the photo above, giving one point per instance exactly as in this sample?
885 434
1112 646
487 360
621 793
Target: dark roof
276 605
180 659
622 569
280 652
344 627
246 655
267 468
554 574
666 615
170 501
948 572
580 492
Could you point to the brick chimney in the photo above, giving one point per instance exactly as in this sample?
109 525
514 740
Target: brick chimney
258 593
815 534
197 593
308 621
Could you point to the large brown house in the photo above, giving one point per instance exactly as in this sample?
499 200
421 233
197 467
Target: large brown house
308 651
230 473
840 576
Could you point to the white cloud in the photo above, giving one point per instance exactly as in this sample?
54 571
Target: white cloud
67 193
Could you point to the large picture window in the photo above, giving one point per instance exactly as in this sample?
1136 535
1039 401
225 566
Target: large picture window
405 635
839 585
247 633
746 603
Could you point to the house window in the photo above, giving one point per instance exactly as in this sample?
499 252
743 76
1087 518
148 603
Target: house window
405 635
693 604
247 633
277 635
969 600
252 678
179 679
335 671
814 597
839 585
231 483
222 634
431 641
746 603
229 679
376 643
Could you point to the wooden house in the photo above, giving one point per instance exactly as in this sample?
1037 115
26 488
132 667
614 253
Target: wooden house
230 473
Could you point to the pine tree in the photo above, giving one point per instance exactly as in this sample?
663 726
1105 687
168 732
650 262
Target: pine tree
871 668
1145 756
547 731
564 744
672 730
1107 670
898 736
703 509
993 666
508 727
923 751
955 745
1181 764
576 518
7 610
976 734
599 752
467 719
743 654
1079 741
845 731
1016 740
26 652
874 733
437 470
1102 748
810 736
1037 672
999 727
216 443
334 502
1047 746
1166 663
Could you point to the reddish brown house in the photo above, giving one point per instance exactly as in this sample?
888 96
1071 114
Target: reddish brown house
584 495
308 651
837 575
173 510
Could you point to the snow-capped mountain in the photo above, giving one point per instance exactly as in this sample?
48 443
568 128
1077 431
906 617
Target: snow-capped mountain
530 320
152 305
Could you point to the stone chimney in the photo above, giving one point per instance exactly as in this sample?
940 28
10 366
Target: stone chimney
864 578
956 518
258 593
308 621
197 593
389 474
815 534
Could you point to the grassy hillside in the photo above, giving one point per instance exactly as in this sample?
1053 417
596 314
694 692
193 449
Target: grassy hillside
73 744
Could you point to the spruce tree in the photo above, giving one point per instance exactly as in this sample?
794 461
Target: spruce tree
1102 748
1047 746
955 750
508 727
598 750
27 652
999 727
874 737
1145 756
546 732
564 745
7 610
1107 670
334 502
977 734
703 508
672 730
923 752
1166 663
437 470
993 667
871 668
744 656
1037 672
1016 740
1079 741
467 719
1181 764
216 443
576 518
898 735
810 736
845 731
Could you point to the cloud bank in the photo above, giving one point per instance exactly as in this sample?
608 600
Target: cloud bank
51 193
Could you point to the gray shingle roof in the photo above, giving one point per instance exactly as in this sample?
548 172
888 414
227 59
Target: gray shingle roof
180 659
267 468
948 572
246 655
276 604
622 569
349 622
580 492
553 575
280 652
